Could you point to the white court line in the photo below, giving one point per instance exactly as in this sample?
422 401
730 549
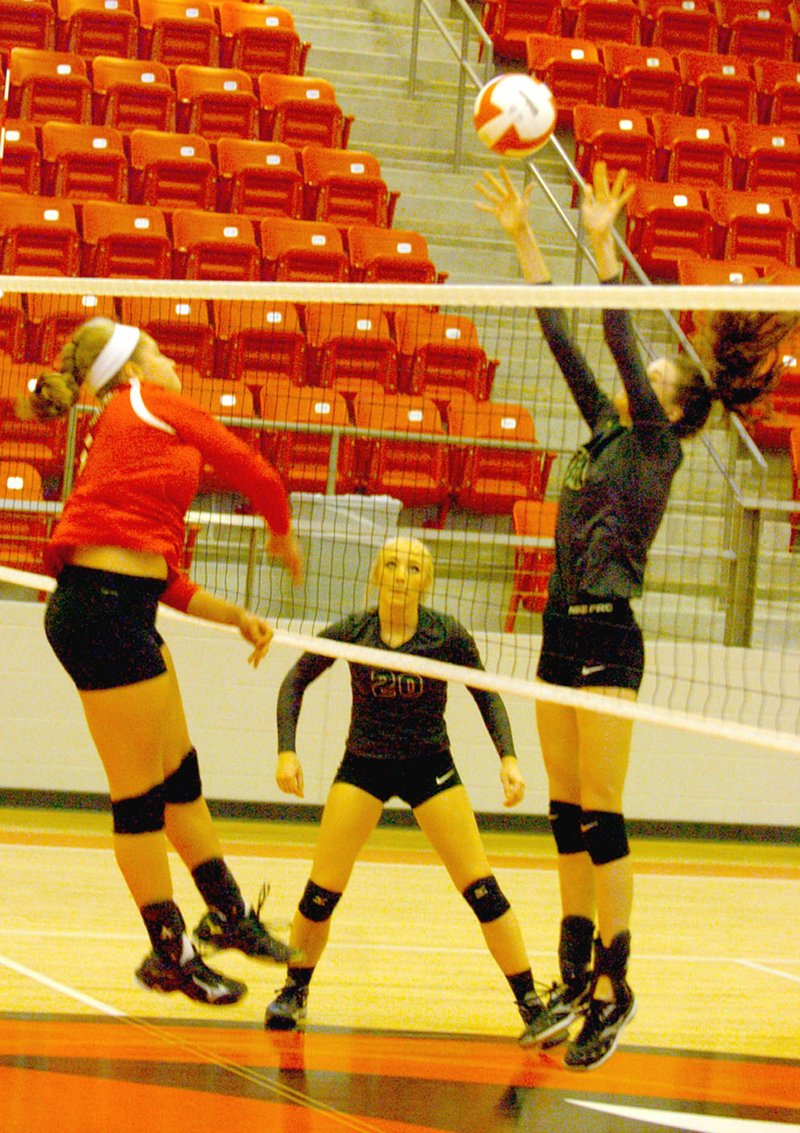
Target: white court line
770 971
69 992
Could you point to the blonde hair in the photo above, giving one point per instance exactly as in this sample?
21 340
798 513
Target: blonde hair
409 546
57 390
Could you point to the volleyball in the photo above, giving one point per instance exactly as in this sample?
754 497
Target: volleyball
514 115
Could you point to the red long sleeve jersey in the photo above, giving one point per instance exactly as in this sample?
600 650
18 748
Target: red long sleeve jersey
141 474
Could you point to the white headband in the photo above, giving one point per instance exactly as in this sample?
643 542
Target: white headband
112 357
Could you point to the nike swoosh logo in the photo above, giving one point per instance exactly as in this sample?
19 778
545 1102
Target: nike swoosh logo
443 778
211 991
587 669
589 826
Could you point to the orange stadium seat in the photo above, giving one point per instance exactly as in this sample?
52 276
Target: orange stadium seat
350 347
302 250
642 77
84 162
717 86
694 272
489 478
303 458
766 158
345 187
98 27
258 178
509 22
680 25
39 235
23 532
300 110
121 240
260 37
752 225
440 354
48 85
172 170
217 102
13 329
131 94
21 164
603 20
618 136
755 31
778 84
181 327
260 342
173 32
389 255
532 565
666 222
571 68
692 151
214 245
26 23
53 318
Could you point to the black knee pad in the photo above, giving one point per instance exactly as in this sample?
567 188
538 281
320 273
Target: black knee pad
317 904
486 899
184 785
605 836
565 822
142 814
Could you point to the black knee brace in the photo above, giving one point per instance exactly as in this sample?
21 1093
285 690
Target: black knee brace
486 899
317 904
565 822
605 836
184 785
142 814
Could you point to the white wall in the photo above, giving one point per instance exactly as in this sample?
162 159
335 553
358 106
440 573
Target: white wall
44 743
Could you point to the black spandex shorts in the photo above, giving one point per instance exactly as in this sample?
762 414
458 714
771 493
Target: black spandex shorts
596 643
102 627
412 780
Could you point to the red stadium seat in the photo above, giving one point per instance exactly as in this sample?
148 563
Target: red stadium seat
303 458
260 37
216 102
26 23
21 163
350 347
258 178
389 255
53 318
604 20
214 245
302 250
172 32
754 31
717 86
665 223
300 110
766 158
571 68
778 83
618 136
694 272
23 532
692 151
122 240
47 86
752 225
84 162
510 22
12 325
345 187
440 354
131 94
181 327
533 565
680 25
39 235
642 77
491 478
172 170
98 27
259 342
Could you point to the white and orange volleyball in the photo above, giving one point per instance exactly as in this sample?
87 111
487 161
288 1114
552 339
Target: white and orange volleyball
515 115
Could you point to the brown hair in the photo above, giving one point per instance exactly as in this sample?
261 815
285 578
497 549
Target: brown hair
57 390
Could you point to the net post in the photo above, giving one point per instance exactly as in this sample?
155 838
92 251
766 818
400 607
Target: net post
739 608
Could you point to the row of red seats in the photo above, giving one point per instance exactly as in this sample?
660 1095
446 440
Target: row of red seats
656 79
752 28
410 349
44 236
170 170
253 37
701 151
46 86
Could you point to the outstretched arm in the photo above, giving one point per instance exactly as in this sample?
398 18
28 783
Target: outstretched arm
601 205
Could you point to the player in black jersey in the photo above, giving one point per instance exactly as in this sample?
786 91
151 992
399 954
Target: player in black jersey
612 501
398 745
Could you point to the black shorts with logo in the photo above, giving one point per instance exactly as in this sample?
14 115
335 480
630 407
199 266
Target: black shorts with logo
593 643
102 627
414 780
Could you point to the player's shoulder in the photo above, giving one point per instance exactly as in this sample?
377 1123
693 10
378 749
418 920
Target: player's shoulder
352 627
441 624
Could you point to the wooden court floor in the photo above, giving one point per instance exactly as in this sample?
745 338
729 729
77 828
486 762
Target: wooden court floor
411 1028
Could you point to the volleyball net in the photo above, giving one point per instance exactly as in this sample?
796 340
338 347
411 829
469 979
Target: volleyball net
437 412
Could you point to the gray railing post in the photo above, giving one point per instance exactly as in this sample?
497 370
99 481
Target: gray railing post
740 607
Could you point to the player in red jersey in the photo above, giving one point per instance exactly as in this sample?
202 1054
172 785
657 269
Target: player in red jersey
116 552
